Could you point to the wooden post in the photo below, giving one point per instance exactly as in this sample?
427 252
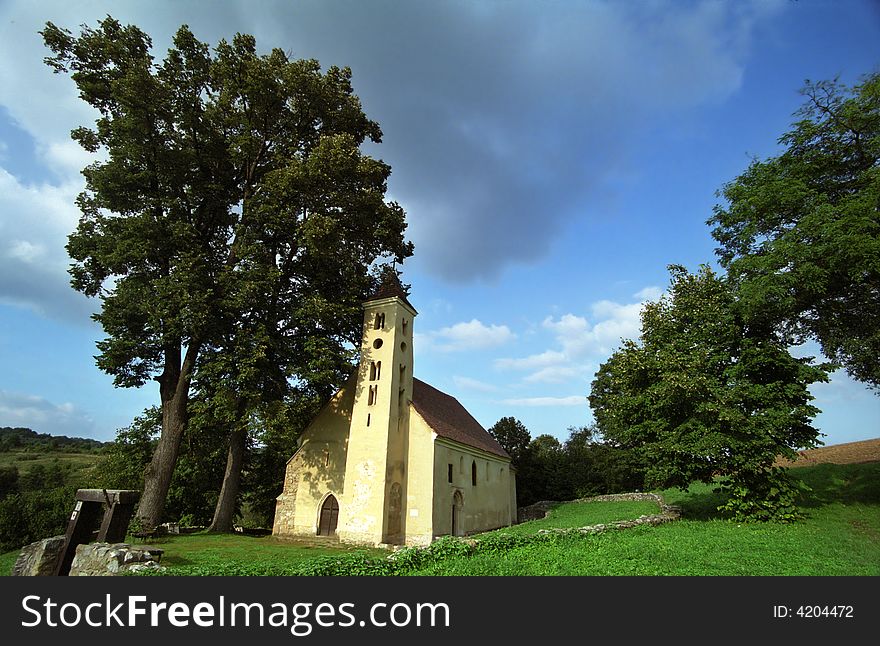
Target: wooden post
117 506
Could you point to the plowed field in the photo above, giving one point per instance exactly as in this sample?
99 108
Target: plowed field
849 453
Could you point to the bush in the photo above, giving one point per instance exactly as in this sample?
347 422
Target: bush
34 515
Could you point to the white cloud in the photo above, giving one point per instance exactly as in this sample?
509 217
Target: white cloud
548 358
470 335
34 223
649 294
466 383
554 375
582 344
43 416
573 400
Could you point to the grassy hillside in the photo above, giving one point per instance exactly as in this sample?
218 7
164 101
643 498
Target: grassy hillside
840 535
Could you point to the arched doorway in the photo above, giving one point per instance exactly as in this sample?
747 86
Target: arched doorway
457 504
328 517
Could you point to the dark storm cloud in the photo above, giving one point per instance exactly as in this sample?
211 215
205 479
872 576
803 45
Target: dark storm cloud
502 120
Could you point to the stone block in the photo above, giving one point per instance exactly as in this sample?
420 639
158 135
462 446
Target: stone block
39 558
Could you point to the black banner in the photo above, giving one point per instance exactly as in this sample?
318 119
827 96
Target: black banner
147 610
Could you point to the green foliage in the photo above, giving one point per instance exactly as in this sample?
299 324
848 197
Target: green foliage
585 465
512 435
130 452
32 515
800 232
708 392
16 439
231 225
8 481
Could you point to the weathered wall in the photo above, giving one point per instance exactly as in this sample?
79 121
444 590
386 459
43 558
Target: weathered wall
317 468
486 504
419 515
371 509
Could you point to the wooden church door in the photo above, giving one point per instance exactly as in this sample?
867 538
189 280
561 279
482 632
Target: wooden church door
329 516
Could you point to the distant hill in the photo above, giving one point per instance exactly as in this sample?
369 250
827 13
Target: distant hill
18 439
849 453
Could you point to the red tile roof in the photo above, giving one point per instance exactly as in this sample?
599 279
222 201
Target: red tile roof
449 419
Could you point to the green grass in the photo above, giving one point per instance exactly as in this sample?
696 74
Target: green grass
840 535
228 554
72 463
582 514
7 560
234 553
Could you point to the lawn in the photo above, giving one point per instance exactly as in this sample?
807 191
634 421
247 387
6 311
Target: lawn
839 535
582 514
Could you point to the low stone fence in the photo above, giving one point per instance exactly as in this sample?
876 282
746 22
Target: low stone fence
105 559
95 559
540 510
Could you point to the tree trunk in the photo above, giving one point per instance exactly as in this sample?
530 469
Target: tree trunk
225 509
174 392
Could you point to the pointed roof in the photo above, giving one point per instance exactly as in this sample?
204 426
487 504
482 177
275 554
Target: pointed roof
390 288
449 419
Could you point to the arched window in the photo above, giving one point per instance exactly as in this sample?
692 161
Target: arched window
379 321
375 370
474 473
374 393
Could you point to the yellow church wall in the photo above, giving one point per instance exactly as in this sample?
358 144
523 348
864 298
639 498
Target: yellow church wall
483 506
317 468
372 508
419 511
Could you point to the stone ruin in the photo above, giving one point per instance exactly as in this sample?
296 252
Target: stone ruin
101 514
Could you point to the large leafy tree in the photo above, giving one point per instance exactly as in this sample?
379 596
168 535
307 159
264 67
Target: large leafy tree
706 393
800 232
513 436
231 217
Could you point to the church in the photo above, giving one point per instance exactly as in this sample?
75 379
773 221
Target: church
391 460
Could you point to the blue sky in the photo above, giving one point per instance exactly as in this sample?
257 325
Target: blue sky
553 158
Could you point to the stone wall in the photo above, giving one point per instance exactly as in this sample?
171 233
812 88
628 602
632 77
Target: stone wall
540 510
105 559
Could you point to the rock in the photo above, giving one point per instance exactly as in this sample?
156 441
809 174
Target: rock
103 559
40 558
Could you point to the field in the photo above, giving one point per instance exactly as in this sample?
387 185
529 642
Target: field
849 453
71 463
839 535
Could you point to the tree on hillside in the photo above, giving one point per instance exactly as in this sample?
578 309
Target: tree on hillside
231 188
705 393
513 436
800 232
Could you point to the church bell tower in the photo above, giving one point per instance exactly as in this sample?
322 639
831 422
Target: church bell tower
372 509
